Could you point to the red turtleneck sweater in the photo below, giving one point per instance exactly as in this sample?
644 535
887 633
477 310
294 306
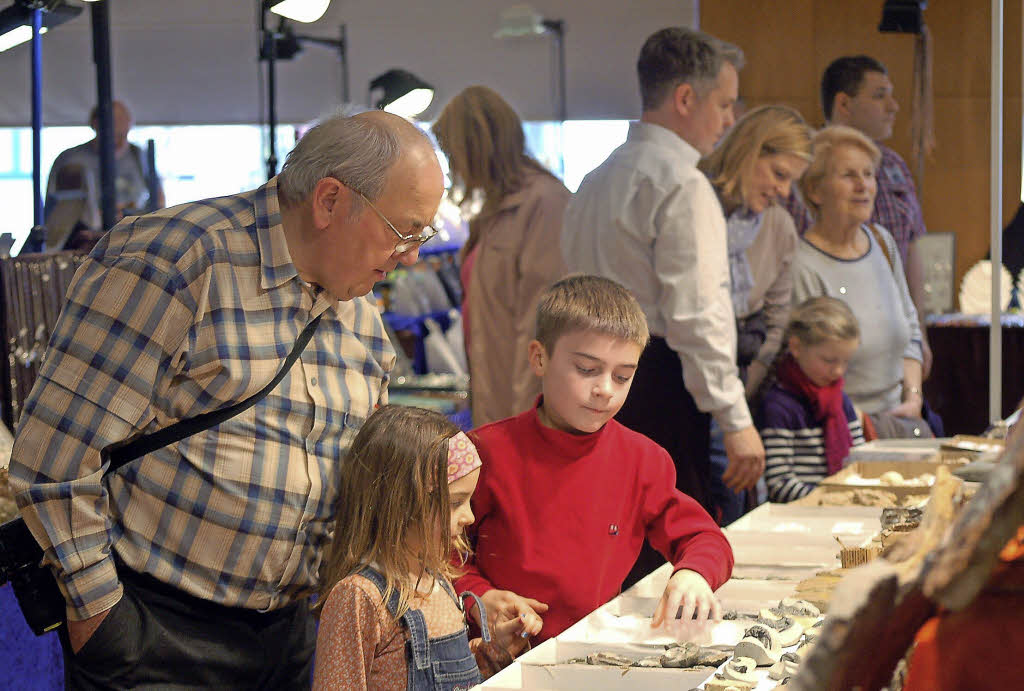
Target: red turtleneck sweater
561 517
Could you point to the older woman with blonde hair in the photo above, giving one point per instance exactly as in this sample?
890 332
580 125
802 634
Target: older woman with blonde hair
512 254
752 168
842 255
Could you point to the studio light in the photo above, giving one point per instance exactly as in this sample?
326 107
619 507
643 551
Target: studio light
16 20
305 11
17 36
402 93
902 16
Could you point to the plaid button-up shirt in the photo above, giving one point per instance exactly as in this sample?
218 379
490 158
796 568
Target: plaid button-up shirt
174 314
897 208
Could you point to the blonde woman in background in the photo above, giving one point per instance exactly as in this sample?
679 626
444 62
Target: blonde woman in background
753 167
512 254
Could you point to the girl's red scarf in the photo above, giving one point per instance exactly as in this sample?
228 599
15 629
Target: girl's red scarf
827 407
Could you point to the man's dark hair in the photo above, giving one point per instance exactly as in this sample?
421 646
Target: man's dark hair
845 75
679 55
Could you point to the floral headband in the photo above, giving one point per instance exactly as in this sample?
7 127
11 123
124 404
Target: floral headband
463 458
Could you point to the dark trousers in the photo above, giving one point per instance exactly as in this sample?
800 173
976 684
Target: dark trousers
158 637
660 408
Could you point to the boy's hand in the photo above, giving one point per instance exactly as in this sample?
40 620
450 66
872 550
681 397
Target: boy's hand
504 606
689 591
746 459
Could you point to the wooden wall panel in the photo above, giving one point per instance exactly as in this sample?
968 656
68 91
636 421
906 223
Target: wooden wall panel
789 44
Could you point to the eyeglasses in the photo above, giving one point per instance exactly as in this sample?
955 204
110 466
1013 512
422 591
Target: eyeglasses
406 243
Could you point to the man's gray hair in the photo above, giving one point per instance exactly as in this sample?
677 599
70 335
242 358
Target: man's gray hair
679 55
356 151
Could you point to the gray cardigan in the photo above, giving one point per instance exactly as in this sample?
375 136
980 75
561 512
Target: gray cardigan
878 296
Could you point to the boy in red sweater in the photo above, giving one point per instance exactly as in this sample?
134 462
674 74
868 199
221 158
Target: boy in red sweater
567 494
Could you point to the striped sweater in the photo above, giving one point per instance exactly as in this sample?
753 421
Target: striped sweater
794 443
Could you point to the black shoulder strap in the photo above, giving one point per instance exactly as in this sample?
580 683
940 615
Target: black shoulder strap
136 446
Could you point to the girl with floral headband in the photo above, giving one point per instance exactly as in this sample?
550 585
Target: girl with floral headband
389 617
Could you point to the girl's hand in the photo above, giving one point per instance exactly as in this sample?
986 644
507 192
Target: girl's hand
513 636
686 590
504 607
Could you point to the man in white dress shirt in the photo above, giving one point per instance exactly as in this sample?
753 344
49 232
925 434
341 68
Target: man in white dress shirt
648 219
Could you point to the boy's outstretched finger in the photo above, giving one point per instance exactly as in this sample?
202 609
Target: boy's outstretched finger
687 607
667 606
703 609
716 609
537 605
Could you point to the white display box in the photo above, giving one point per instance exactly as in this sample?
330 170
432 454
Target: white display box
808 521
556 676
896 450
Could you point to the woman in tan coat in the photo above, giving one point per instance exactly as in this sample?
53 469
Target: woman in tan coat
512 253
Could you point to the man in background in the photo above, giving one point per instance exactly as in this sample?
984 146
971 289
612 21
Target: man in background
650 220
75 175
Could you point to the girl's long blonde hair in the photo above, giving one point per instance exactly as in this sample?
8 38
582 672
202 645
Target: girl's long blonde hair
821 319
393 504
482 136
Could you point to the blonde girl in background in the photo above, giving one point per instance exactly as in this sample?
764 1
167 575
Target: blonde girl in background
389 618
807 422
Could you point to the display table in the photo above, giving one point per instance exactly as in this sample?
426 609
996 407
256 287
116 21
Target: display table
776 546
958 386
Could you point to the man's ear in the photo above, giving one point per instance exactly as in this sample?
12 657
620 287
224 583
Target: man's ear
684 98
538 357
841 105
329 198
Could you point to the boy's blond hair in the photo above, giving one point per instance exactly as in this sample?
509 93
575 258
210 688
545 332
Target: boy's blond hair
589 303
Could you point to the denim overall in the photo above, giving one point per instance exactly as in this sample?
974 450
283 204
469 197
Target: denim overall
436 664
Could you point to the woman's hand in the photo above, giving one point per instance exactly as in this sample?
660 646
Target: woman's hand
687 591
910 408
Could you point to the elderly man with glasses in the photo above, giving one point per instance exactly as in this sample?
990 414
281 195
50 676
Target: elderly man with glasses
191 567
